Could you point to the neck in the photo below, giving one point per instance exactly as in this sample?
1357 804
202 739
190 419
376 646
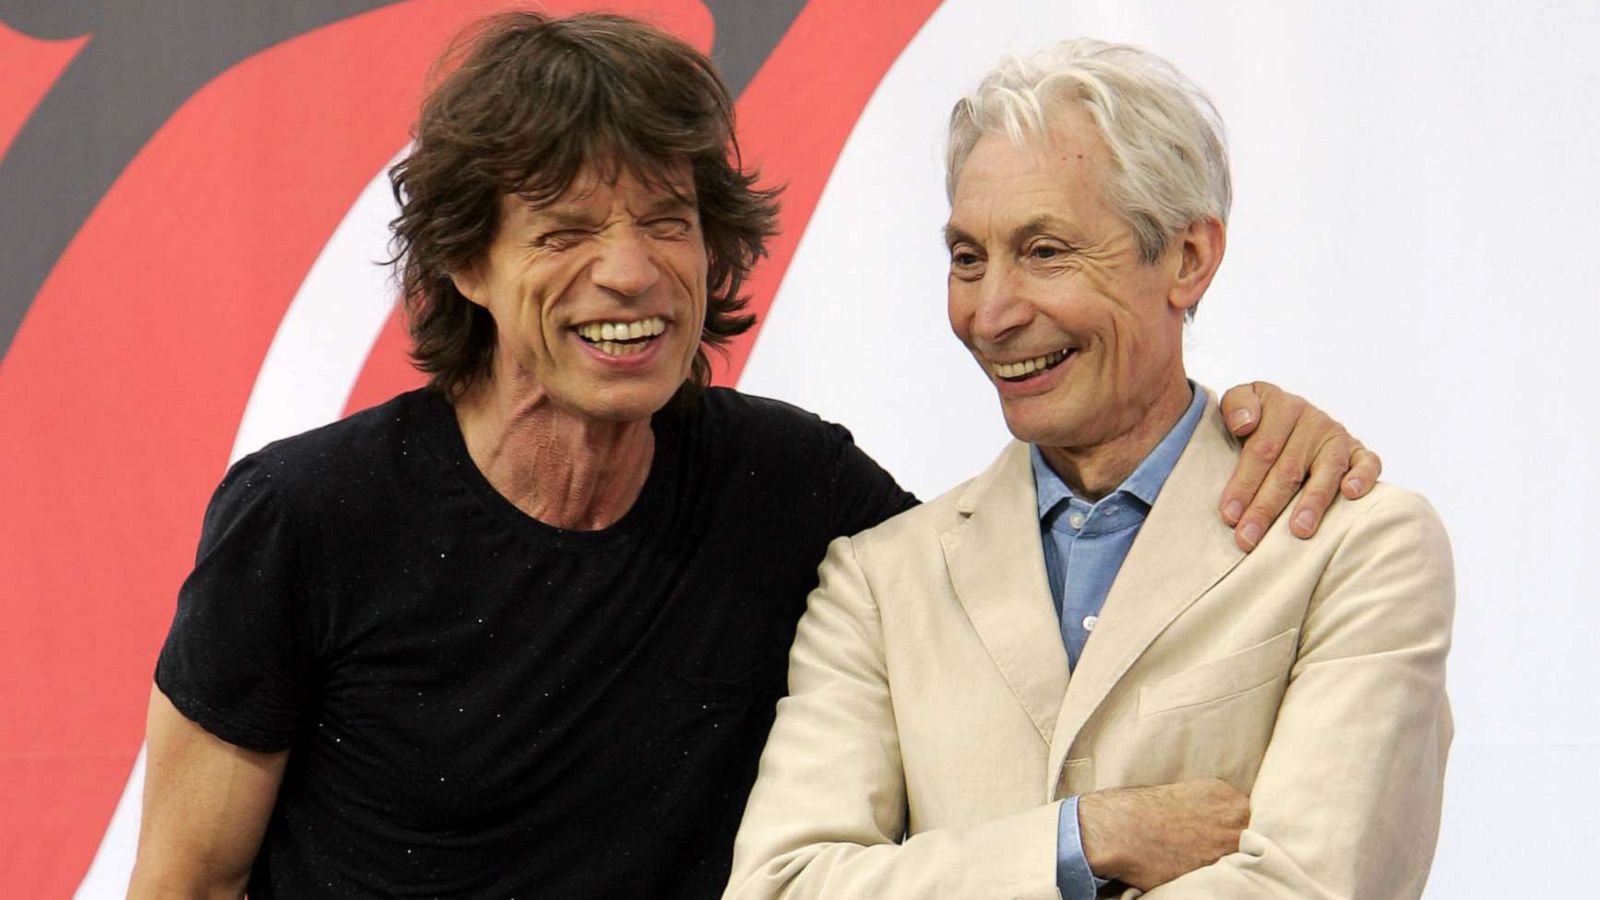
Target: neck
564 469
1095 470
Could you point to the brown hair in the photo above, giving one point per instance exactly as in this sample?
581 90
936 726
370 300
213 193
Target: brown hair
532 100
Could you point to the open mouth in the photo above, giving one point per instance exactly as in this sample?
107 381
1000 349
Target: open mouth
1029 368
622 338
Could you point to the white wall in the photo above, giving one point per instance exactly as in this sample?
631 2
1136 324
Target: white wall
1415 219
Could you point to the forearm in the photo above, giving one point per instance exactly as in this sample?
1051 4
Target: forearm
1145 836
169 877
1317 840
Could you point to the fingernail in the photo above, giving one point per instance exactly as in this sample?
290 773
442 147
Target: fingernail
1252 534
1239 419
1355 485
1305 520
1233 511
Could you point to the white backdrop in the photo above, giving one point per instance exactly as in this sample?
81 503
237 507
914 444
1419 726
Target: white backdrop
1416 192
1417 186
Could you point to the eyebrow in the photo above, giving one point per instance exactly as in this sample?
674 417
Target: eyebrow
954 236
560 217
673 202
1037 225
1041 224
572 215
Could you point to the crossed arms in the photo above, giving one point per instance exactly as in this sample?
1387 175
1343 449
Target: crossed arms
1344 801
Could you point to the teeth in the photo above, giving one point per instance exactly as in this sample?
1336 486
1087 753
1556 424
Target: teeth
612 348
1028 366
596 332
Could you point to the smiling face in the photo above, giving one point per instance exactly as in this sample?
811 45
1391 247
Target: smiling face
599 296
1081 339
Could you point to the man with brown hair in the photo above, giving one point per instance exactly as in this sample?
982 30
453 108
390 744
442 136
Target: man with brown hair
520 633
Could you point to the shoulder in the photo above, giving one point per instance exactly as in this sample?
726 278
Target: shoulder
920 524
811 468
999 488
367 430
1388 515
1391 537
1384 558
1387 590
765 435
748 414
1390 523
319 467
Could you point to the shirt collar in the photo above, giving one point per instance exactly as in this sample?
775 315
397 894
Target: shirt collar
1145 482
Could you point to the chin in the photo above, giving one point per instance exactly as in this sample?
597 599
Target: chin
1030 423
1029 432
632 406
623 413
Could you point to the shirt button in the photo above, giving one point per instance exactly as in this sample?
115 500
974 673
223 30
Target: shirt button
1075 520
1089 622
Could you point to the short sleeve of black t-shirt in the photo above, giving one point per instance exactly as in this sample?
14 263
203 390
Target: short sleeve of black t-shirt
237 659
477 704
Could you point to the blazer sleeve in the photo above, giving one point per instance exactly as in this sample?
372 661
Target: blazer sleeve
1347 800
828 814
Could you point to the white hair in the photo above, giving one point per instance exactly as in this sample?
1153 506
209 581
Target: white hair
1169 156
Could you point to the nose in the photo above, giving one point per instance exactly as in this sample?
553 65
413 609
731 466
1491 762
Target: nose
626 265
1001 308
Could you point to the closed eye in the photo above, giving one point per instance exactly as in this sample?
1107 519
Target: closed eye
563 237
669 226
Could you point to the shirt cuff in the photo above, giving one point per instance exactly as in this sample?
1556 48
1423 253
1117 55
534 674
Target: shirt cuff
1073 877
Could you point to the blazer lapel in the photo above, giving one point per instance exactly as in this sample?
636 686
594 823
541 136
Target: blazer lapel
996 565
1182 550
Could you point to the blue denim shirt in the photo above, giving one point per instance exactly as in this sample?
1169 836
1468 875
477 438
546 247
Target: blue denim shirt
1084 546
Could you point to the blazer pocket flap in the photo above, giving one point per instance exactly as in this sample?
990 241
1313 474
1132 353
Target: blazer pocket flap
1220 678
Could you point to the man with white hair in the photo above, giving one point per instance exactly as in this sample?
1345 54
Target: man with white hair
1004 693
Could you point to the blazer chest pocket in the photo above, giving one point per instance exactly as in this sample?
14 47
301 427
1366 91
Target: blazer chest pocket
1222 678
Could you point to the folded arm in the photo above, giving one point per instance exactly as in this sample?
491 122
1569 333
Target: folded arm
1347 799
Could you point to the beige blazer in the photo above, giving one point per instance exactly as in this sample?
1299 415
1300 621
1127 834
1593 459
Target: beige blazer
932 728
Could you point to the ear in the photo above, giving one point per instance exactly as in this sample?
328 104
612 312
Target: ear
470 283
1200 247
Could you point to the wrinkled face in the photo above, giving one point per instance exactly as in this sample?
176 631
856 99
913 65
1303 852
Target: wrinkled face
1079 337
599 296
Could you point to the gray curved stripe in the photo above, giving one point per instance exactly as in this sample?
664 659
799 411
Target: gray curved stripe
751 31
145 59
142 61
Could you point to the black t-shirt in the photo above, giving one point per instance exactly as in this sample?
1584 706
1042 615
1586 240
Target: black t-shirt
479 705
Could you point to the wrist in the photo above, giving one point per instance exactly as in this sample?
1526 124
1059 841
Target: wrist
1101 847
